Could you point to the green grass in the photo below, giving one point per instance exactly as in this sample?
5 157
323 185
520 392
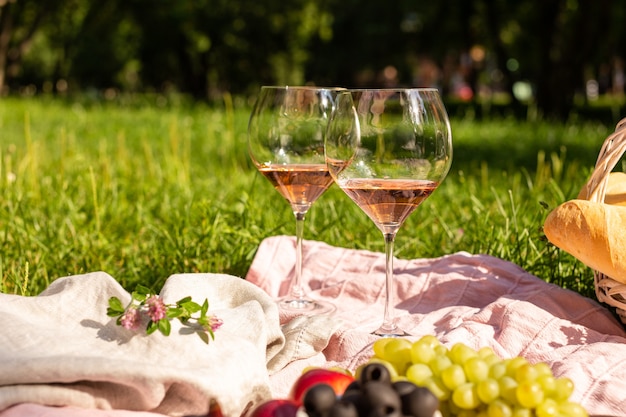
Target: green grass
142 192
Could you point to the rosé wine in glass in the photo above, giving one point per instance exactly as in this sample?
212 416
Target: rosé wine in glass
286 143
389 150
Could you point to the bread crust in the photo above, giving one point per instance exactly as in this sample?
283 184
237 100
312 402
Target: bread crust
594 233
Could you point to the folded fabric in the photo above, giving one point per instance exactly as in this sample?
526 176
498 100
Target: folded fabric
476 299
61 349
67 352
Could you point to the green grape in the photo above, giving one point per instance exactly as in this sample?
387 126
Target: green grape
508 387
439 363
465 396
499 408
548 408
497 370
453 409
397 350
563 389
476 369
460 352
437 387
548 383
529 394
441 350
422 351
571 409
430 340
379 346
488 390
491 359
514 363
526 372
453 376
543 369
522 412
418 373
478 383
485 352
478 412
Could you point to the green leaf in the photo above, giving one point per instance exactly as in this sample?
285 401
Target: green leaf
183 300
174 312
141 293
139 297
204 337
152 327
140 289
115 307
191 307
165 327
205 308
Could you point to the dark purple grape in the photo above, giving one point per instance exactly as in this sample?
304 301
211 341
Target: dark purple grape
358 400
343 408
382 400
403 387
354 386
318 400
375 372
418 401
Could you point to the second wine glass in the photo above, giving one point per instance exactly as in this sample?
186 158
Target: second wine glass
388 150
286 143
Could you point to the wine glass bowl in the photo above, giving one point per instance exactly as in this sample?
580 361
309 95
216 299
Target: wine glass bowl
388 150
286 144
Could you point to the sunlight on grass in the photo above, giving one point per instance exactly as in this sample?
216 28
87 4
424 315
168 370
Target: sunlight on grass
142 192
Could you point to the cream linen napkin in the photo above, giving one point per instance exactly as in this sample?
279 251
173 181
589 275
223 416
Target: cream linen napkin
60 348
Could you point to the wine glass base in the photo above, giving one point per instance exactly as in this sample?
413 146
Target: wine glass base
387 330
305 306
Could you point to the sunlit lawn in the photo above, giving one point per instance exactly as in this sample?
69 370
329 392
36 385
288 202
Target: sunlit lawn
143 192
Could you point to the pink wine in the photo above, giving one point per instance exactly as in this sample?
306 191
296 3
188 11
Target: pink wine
388 202
300 184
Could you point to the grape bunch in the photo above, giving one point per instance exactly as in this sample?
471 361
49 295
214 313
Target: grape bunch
371 394
477 383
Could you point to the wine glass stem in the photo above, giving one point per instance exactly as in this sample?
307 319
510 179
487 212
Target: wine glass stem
389 323
297 292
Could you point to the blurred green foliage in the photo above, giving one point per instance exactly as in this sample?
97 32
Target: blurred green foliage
543 52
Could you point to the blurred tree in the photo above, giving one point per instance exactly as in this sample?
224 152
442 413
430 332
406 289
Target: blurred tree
100 45
206 47
548 43
19 22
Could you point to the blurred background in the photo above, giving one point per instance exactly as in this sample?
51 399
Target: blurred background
548 58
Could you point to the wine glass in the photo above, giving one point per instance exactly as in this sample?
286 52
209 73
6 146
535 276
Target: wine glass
286 143
388 150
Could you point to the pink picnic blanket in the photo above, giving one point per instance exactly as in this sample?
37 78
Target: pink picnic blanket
477 299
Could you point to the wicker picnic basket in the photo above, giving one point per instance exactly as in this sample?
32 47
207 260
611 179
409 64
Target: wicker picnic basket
608 290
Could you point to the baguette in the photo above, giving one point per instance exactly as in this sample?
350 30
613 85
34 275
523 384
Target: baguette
591 232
